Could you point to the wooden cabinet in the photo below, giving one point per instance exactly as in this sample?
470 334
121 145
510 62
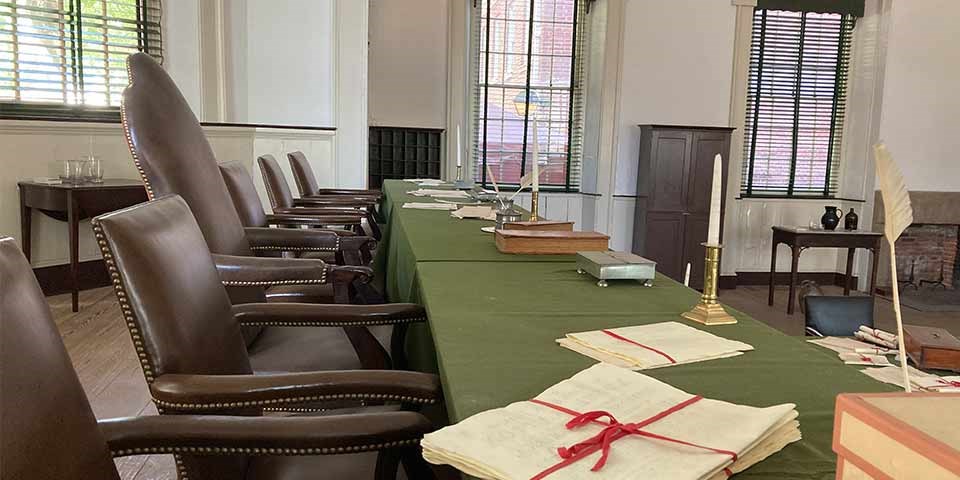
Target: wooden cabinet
673 195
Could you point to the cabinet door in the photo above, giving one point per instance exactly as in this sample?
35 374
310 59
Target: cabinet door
664 243
695 227
704 146
668 169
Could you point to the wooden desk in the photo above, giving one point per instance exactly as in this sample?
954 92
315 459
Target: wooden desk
72 203
801 238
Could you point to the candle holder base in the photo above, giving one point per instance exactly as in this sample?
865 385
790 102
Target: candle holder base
709 314
460 183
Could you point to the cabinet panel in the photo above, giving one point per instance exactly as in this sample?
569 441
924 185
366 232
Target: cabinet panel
668 165
664 232
700 174
695 232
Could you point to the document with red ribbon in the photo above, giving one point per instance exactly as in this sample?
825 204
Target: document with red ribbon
919 379
652 346
607 422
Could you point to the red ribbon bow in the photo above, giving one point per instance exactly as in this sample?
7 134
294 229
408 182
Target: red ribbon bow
949 383
613 430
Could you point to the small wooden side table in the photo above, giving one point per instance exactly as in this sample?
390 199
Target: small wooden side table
801 238
71 203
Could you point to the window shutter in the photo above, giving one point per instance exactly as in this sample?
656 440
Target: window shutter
72 53
796 100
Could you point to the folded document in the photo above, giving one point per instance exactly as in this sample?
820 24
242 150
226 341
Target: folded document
652 346
619 424
430 206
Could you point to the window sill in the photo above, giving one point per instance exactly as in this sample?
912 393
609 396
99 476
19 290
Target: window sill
795 197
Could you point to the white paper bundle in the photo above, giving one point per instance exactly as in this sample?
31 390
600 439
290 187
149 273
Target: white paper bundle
435 193
656 431
849 345
876 337
919 379
652 346
429 206
483 213
853 358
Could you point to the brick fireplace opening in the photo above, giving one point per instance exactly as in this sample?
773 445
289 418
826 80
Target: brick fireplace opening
927 256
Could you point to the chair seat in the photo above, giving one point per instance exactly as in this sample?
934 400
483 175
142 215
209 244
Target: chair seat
307 349
322 467
301 293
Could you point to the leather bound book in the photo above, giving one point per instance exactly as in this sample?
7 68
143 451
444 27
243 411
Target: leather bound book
931 347
543 225
538 242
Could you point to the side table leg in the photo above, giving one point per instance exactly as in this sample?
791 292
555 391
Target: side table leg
773 272
73 224
26 222
875 253
794 276
847 279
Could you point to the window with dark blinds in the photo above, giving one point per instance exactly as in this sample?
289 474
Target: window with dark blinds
796 100
67 58
528 53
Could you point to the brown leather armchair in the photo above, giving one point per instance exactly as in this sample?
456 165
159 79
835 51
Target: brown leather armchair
49 431
173 156
182 321
250 209
281 199
307 181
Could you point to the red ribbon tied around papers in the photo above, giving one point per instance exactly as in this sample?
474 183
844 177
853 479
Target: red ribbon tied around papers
638 344
613 430
949 383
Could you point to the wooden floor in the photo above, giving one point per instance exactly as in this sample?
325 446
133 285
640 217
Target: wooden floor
103 354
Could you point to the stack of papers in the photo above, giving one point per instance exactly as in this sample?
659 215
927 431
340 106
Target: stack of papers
855 352
484 213
430 206
919 380
652 346
654 430
427 192
430 182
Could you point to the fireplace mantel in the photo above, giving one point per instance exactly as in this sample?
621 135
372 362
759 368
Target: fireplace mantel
929 208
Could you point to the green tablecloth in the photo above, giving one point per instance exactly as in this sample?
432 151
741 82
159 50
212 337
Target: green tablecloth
493 324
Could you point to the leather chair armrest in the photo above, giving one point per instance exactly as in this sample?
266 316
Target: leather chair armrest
336 201
314 219
350 250
307 314
231 435
349 191
320 211
213 393
236 271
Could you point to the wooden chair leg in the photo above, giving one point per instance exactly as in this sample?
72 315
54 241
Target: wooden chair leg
388 464
414 465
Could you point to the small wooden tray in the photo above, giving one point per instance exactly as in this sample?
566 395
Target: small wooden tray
543 225
550 242
897 435
931 347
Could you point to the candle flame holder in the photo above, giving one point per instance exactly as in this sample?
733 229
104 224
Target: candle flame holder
535 206
460 183
709 311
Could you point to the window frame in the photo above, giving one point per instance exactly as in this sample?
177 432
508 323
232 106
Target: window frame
481 86
146 42
841 78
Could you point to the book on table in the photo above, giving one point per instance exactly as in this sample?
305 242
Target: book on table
652 346
622 424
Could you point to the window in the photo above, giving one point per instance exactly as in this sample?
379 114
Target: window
796 100
67 58
529 49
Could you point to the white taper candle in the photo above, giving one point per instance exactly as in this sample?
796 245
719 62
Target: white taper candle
686 276
713 231
459 148
536 156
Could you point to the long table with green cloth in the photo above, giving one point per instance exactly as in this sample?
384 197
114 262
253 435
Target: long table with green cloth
494 319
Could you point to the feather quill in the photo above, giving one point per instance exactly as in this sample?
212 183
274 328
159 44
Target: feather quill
525 181
897 216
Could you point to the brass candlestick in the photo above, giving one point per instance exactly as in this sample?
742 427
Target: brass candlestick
460 183
709 311
535 206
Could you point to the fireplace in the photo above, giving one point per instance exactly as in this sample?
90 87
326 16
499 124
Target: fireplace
926 256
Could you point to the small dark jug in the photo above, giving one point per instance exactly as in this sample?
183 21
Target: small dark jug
850 220
831 219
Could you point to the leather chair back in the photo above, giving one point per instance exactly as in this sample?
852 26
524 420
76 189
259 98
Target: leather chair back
276 182
178 312
837 316
173 155
244 194
303 174
49 430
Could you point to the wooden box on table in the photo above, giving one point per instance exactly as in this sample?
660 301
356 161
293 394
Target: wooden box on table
897 436
931 347
539 242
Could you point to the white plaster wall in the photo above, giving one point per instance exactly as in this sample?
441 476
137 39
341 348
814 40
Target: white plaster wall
408 63
920 99
181 43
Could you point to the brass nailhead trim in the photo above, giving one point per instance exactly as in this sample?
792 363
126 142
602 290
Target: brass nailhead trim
294 400
286 451
125 309
129 139
267 283
357 323
280 248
